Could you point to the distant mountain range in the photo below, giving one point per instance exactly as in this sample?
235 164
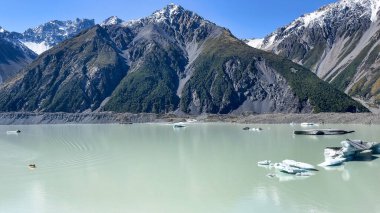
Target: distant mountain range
339 42
19 49
48 35
171 61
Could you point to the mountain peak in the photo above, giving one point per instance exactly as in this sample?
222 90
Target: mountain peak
2 30
172 8
167 13
184 62
113 20
373 6
352 14
170 14
339 42
368 8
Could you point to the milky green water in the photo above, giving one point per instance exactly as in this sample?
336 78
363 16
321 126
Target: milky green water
153 168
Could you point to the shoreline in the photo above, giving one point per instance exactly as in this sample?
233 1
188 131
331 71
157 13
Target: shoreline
30 118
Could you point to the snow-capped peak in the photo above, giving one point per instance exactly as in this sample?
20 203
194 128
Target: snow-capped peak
372 9
167 13
173 8
170 9
339 12
47 35
2 30
113 20
369 8
372 5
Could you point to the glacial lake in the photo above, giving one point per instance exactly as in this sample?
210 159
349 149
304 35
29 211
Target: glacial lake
153 168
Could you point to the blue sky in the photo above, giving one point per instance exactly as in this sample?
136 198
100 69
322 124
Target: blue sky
245 18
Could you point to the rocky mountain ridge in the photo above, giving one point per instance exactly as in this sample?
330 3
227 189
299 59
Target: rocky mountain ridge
45 36
339 42
171 61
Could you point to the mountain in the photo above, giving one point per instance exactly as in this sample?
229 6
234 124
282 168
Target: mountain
339 42
19 49
172 60
48 35
13 55
113 20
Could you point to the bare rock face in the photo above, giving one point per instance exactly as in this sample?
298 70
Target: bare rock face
271 93
339 42
260 90
173 60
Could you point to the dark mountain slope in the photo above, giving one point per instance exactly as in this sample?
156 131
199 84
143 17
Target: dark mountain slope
13 55
172 60
238 76
72 77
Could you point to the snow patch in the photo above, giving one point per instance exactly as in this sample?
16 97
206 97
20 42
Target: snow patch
173 9
37 47
375 7
313 17
1 30
271 40
256 43
166 13
130 22
159 16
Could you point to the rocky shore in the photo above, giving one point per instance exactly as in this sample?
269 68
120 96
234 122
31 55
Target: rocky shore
24 118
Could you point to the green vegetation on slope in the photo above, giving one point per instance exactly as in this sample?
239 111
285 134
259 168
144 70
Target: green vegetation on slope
209 81
149 88
80 73
313 56
322 96
368 86
74 76
305 84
